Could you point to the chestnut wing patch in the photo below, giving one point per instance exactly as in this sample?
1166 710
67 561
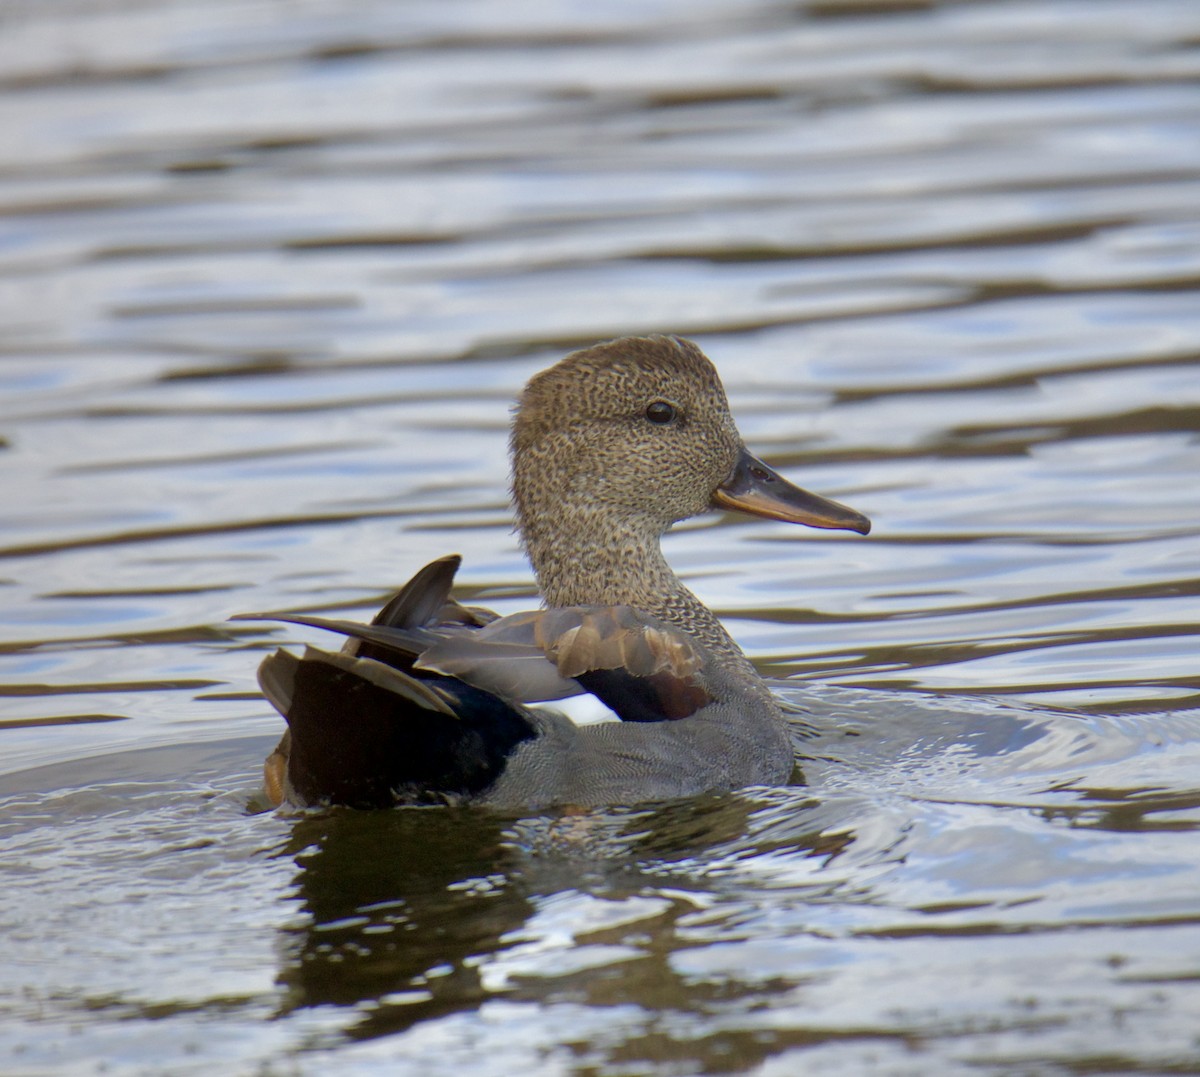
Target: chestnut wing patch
641 669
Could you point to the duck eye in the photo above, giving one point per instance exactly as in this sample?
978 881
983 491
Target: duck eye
661 412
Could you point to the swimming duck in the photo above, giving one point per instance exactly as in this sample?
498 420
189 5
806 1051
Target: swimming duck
431 701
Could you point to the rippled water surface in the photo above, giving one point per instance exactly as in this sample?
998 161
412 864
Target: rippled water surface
270 276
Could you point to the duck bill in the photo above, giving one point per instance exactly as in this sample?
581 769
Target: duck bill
757 489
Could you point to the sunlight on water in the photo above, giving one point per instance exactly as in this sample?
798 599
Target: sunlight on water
270 277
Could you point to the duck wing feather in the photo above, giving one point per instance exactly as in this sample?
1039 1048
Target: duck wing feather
639 667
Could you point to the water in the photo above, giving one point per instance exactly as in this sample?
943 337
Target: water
270 276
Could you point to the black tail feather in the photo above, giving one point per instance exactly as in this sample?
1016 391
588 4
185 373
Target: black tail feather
366 735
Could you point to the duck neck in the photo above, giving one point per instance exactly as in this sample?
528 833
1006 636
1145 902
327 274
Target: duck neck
583 558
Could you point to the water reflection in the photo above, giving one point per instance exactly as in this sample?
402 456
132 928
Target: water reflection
465 906
396 929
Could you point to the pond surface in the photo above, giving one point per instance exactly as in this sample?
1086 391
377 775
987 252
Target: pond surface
270 276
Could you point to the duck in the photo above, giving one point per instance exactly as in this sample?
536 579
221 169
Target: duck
436 702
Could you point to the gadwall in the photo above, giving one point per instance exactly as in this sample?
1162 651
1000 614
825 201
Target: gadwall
430 702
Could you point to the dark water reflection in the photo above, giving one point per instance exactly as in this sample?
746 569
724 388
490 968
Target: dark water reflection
397 932
481 908
270 275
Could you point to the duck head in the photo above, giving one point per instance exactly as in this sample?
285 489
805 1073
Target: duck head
635 435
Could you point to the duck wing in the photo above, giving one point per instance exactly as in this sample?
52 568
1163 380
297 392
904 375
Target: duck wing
425 601
641 669
408 622
426 702
518 672
420 601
